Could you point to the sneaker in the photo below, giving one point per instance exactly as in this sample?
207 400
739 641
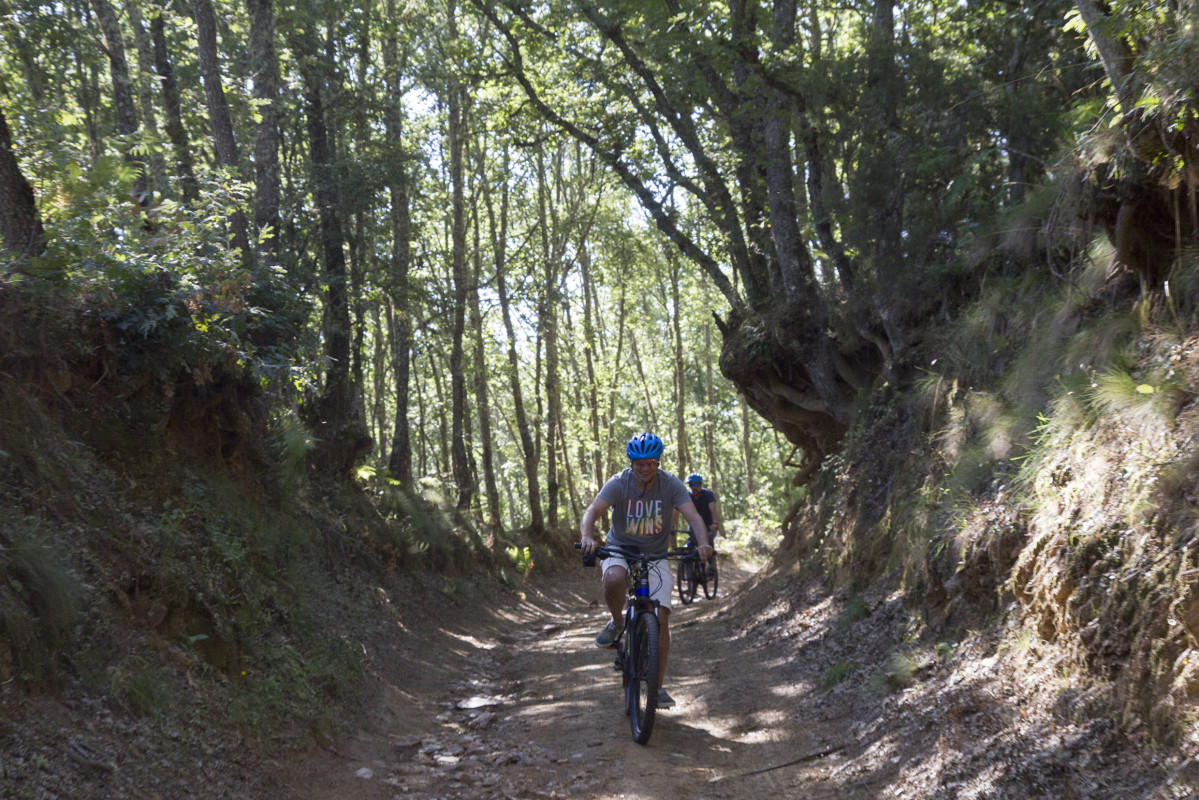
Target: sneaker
664 700
607 637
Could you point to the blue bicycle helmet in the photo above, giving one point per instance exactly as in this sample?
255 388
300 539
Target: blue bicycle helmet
695 477
644 445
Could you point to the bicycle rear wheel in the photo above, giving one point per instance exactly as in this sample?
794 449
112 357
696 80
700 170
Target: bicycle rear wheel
686 582
710 583
642 688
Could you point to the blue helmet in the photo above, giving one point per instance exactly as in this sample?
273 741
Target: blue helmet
695 477
644 445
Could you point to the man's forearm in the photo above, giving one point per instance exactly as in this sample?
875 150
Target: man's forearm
587 524
700 530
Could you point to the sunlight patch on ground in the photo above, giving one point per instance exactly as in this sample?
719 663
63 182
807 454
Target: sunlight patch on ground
472 641
776 663
984 784
760 736
601 668
791 689
759 728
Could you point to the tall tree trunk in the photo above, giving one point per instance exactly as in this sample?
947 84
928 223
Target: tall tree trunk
549 327
399 463
87 89
357 246
224 145
746 130
709 405
1114 52
612 449
444 461
118 67
122 89
35 79
798 280
589 340
475 508
20 225
264 70
482 389
361 231
821 197
176 132
576 381
421 430
572 492
680 372
399 459
650 421
499 234
342 438
747 449
145 96
380 342
457 127
879 188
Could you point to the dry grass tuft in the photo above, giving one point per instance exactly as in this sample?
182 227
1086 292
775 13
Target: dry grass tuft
1140 405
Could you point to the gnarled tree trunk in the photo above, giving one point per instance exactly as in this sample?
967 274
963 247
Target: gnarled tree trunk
20 225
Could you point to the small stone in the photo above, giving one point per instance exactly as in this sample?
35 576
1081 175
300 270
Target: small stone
482 722
366 773
478 701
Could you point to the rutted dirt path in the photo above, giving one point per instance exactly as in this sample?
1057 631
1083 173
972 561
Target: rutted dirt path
520 703
781 691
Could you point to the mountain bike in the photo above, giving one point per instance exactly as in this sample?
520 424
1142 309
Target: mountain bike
687 579
694 573
637 656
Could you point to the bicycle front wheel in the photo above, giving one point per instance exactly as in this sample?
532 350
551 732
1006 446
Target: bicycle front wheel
685 582
642 687
710 583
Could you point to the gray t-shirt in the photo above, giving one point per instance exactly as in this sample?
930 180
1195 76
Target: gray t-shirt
641 520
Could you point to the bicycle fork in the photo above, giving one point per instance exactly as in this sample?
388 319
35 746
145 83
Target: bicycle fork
639 602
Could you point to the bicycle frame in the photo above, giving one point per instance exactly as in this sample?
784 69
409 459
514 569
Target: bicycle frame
637 655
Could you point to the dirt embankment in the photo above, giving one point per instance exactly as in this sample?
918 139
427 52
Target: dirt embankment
782 690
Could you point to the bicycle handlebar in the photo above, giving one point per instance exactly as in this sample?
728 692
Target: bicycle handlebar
608 550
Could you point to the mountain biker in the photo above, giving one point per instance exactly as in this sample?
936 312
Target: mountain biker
649 498
708 507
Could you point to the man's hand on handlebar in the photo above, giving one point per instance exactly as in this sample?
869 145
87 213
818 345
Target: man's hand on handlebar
587 543
705 552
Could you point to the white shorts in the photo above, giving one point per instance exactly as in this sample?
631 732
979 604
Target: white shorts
660 583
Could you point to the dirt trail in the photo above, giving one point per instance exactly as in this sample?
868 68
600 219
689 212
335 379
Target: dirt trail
519 703
782 690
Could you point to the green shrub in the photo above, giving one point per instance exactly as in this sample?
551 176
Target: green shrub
836 674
